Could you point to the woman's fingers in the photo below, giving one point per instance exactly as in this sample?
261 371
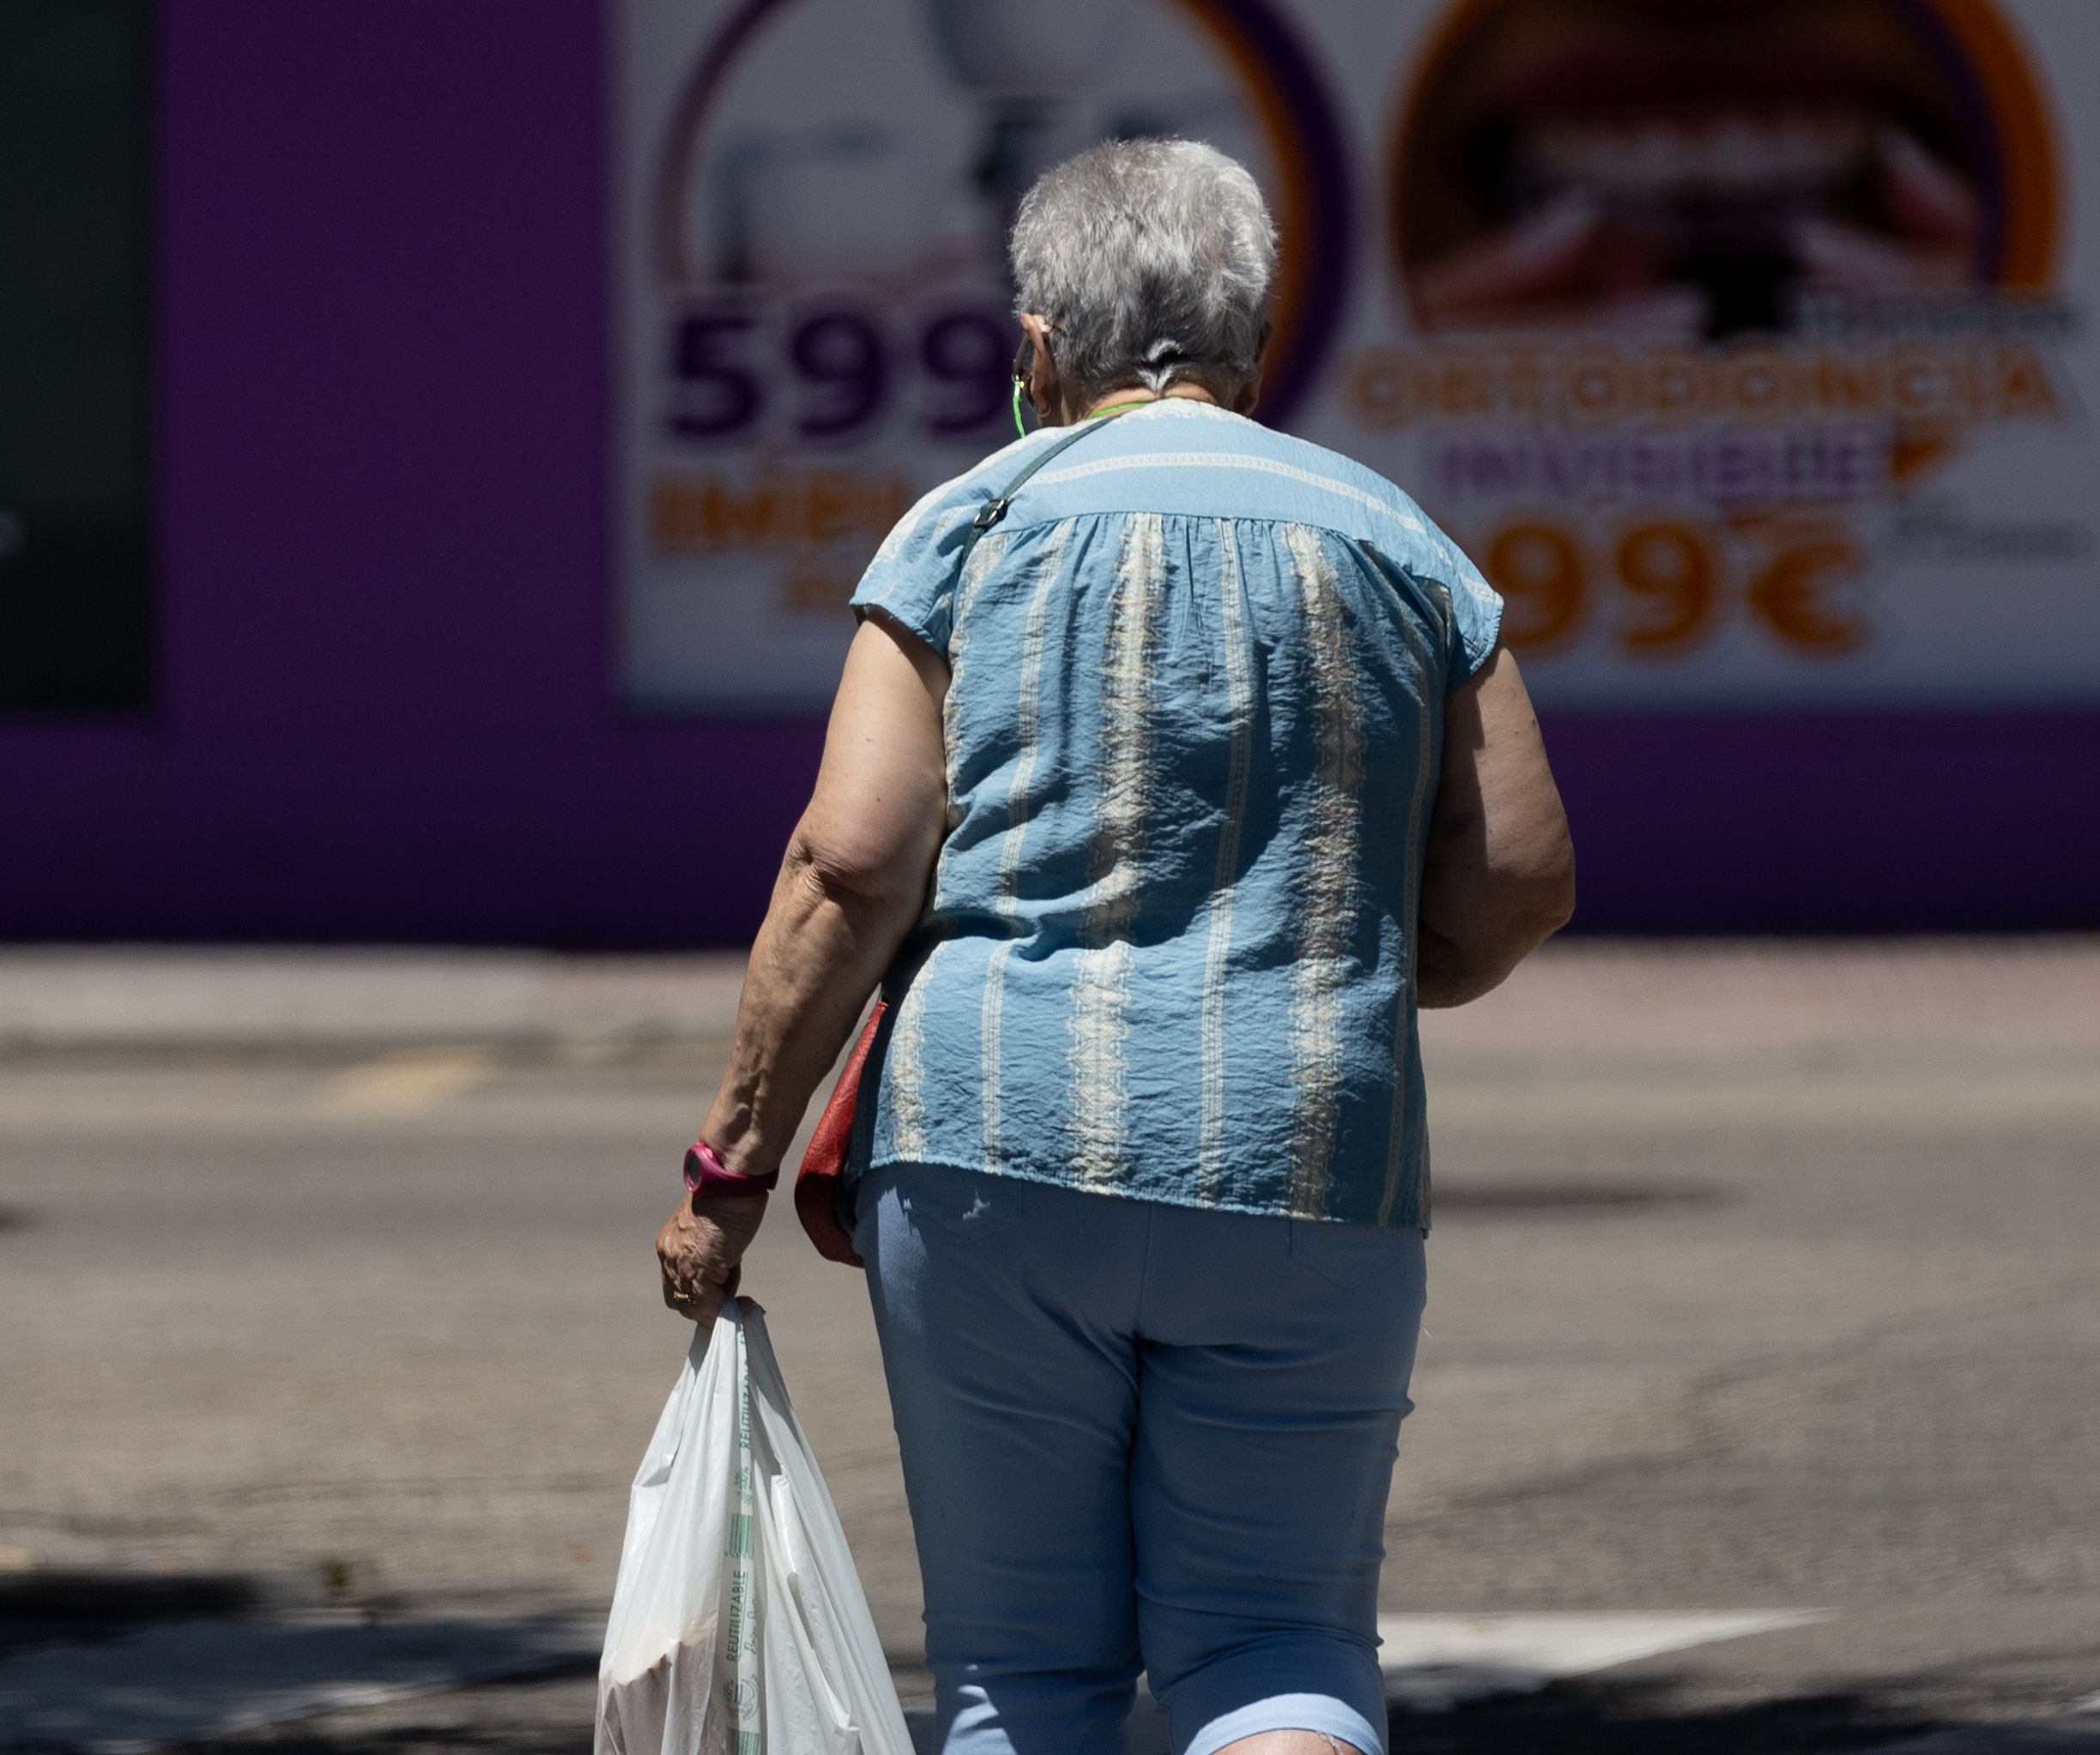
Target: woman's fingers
699 1253
700 1261
700 1307
694 1296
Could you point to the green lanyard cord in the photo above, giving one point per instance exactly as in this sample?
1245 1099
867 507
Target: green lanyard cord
1021 426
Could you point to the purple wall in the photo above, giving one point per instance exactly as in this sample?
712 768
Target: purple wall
385 710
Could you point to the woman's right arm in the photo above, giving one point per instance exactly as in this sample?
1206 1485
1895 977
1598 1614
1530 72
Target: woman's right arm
1498 873
853 883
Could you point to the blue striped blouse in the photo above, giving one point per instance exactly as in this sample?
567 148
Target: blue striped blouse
1192 737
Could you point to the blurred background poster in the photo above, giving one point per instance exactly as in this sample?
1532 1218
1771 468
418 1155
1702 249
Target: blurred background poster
1747 346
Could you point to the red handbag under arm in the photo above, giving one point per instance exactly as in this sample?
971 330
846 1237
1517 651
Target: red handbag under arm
824 1164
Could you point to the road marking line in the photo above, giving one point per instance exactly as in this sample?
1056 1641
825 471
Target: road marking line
412 1082
1433 1663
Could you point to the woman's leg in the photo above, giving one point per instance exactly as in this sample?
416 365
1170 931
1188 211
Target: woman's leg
1274 1361
1012 1380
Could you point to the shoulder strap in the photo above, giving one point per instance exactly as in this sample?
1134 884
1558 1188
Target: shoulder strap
993 509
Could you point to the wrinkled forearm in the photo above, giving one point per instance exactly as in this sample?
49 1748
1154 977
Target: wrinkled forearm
818 956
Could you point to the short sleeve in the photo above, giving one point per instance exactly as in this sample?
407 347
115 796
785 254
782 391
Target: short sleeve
1476 615
912 577
1433 557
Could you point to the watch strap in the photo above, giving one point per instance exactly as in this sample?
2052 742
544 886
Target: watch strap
707 1174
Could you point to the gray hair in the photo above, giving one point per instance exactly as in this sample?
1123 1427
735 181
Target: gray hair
1153 259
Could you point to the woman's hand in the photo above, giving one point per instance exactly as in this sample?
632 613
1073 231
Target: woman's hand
701 1251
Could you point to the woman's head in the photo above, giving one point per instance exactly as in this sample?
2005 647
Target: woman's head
1149 263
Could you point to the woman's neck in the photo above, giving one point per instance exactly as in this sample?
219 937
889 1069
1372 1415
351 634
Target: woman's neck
1181 390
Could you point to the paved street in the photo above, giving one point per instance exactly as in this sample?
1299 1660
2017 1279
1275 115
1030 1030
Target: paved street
1764 1278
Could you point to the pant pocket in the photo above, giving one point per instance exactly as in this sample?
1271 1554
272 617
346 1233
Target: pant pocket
1348 1255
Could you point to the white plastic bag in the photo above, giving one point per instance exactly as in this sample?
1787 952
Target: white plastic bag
739 1626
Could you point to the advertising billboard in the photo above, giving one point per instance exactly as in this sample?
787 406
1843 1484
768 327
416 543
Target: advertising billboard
1747 347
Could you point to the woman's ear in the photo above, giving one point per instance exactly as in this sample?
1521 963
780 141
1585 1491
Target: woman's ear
1250 392
1046 392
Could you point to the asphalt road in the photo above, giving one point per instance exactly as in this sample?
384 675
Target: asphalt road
1762 1279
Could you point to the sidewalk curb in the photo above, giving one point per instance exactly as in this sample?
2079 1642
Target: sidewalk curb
66 998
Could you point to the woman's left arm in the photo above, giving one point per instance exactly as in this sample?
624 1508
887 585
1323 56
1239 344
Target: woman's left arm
853 883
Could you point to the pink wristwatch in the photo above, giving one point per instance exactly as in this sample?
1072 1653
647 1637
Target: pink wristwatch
706 1174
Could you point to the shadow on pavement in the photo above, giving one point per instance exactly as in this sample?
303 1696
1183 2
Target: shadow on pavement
202 1679
41 1607
1503 1199
1596 1714
101 1660
1574 1718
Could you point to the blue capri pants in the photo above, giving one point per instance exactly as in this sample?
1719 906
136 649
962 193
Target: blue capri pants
1136 1437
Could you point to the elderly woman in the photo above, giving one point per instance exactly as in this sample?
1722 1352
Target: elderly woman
1159 793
